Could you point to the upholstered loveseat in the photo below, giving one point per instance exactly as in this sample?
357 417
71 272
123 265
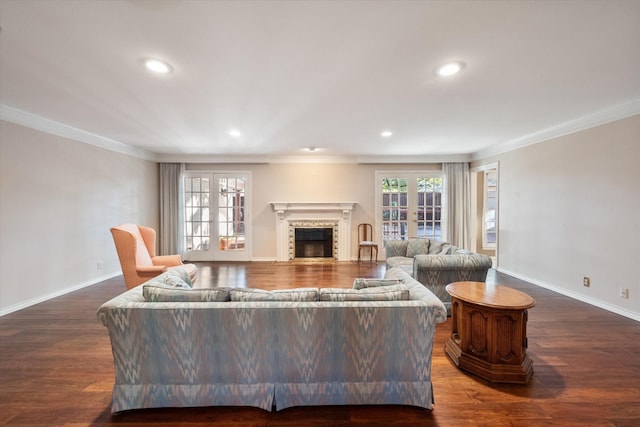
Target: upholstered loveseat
435 264
272 354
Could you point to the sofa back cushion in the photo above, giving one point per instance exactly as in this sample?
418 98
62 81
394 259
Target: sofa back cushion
250 294
395 248
360 283
398 292
418 247
166 293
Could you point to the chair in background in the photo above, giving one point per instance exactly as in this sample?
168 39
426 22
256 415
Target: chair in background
365 240
136 247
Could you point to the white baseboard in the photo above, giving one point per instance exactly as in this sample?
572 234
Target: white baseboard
42 298
592 301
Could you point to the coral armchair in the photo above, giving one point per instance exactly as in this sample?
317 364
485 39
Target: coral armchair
136 247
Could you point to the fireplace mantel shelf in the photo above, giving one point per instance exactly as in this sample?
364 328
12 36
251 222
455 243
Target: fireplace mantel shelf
313 206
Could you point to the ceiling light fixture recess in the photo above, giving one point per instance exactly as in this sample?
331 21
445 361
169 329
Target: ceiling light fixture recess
158 66
386 133
235 133
449 69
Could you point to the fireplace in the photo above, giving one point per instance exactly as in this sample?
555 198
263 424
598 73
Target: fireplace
313 242
335 216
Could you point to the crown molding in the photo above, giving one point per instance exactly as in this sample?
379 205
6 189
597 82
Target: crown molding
598 118
425 158
42 124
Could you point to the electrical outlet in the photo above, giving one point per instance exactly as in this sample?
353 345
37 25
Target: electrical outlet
99 265
624 293
586 282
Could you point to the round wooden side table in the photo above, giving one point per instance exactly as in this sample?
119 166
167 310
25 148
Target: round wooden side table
489 331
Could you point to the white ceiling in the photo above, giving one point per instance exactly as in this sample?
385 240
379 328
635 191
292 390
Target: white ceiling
328 74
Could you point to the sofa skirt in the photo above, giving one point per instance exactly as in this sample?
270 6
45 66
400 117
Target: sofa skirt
138 396
417 393
270 396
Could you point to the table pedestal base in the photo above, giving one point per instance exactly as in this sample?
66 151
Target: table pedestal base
494 372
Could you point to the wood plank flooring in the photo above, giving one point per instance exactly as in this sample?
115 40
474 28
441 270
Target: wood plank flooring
56 366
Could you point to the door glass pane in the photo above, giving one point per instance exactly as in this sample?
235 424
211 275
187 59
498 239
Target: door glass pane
395 207
231 197
428 207
196 198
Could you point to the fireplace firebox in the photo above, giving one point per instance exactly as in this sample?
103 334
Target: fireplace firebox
313 242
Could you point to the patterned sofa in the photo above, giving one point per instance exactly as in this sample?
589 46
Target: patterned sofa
435 264
272 354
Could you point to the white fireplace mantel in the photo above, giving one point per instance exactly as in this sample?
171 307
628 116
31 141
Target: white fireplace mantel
312 213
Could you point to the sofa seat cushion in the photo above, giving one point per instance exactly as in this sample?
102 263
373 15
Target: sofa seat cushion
250 294
399 292
158 292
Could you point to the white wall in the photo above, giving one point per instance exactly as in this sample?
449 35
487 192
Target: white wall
58 199
569 208
310 182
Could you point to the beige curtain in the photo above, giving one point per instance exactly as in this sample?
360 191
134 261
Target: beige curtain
457 204
171 195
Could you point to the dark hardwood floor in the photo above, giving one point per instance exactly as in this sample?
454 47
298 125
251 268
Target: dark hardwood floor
56 366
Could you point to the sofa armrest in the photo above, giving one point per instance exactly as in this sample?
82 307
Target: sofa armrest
166 260
470 262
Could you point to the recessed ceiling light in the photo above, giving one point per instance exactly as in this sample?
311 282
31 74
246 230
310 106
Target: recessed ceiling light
158 66
449 69
235 133
386 134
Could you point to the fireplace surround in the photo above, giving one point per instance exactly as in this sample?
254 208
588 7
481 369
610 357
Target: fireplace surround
292 215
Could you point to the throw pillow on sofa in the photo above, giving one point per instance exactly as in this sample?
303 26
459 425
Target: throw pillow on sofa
168 278
386 293
166 293
360 283
180 273
250 294
437 246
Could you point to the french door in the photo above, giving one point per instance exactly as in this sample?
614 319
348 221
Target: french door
216 216
409 205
